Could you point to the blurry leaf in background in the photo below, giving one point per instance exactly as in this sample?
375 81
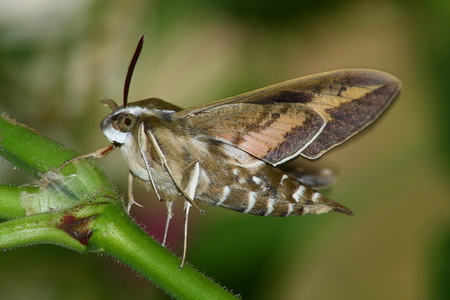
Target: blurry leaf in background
437 47
56 61
439 273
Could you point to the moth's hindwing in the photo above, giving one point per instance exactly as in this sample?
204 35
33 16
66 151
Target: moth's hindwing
306 116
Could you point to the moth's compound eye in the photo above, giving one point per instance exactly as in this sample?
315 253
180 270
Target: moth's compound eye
126 122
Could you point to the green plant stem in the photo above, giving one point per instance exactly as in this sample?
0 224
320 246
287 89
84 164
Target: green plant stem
152 260
10 207
48 228
28 150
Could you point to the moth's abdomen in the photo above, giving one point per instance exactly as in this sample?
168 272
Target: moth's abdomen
236 180
263 204
270 192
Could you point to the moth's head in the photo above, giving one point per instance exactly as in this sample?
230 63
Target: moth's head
118 125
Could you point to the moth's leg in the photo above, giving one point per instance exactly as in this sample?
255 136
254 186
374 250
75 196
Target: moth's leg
169 205
152 181
141 132
99 153
192 174
187 206
142 143
131 200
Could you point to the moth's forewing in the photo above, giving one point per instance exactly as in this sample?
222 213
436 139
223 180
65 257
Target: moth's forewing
306 116
256 128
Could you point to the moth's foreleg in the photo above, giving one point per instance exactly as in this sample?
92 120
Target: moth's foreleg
142 144
99 153
131 200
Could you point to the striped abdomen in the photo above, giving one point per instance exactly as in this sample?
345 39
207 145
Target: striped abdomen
258 188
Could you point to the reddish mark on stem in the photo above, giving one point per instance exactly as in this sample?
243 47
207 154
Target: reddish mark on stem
78 228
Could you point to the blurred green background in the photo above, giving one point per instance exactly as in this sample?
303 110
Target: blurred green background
57 58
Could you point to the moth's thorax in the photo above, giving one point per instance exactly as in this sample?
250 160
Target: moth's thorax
174 137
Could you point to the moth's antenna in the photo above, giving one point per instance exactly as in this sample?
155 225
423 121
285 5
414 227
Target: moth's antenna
131 69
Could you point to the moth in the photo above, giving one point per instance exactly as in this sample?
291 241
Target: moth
226 153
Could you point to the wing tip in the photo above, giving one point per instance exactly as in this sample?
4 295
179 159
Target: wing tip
372 75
